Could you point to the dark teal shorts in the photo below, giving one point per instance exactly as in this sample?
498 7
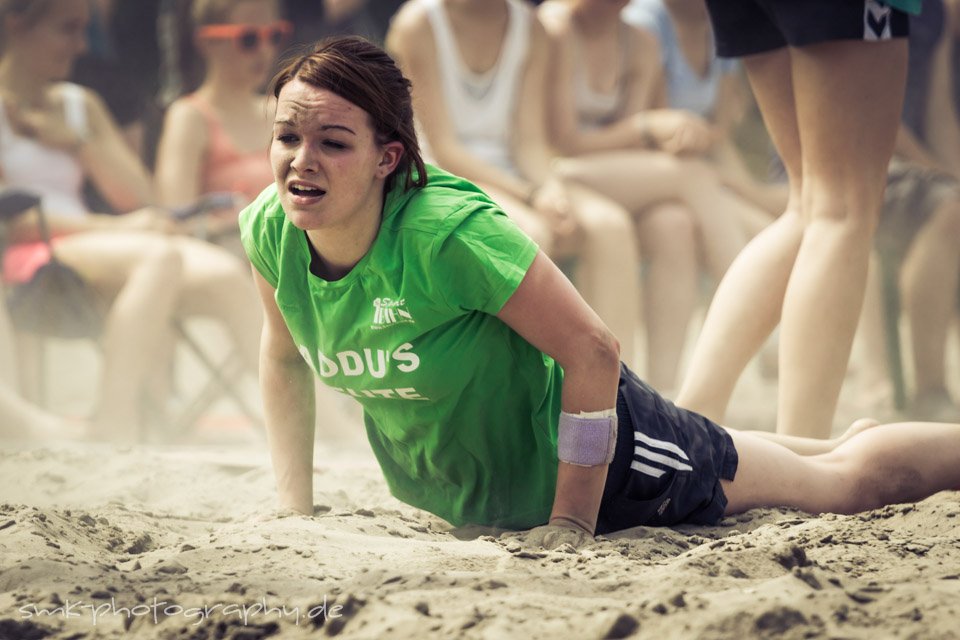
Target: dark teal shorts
668 463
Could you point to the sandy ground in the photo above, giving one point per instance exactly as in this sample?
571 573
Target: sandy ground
170 541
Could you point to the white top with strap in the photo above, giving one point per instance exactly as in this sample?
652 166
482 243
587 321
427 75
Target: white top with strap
482 106
595 108
53 174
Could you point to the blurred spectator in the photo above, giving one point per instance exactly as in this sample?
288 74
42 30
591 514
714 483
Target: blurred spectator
216 138
122 64
919 231
607 116
479 73
53 136
20 420
697 81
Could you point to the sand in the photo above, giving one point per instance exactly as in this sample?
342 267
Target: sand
172 541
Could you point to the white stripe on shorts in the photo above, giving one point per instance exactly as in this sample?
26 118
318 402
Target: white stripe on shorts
659 444
647 469
662 459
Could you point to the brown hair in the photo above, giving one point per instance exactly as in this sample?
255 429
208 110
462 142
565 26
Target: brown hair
31 11
359 71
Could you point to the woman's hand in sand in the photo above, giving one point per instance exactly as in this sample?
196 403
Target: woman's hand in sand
278 513
555 534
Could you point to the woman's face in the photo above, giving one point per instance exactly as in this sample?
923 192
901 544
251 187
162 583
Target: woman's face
241 60
328 166
52 43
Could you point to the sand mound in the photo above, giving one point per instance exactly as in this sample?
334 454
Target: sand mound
171 543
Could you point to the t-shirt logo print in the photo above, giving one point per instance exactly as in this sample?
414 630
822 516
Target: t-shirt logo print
388 312
876 21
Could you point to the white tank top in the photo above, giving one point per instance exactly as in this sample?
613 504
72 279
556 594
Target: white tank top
53 174
596 109
482 107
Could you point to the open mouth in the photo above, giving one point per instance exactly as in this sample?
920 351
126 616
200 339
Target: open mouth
304 193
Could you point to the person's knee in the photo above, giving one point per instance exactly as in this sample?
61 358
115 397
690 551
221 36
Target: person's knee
853 208
667 228
605 222
165 259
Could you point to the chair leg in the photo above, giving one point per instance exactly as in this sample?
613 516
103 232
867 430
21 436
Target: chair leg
223 379
31 357
891 319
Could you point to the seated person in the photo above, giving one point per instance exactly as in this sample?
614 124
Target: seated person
607 117
53 137
482 109
215 138
919 230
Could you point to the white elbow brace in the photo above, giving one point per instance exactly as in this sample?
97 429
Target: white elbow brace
588 439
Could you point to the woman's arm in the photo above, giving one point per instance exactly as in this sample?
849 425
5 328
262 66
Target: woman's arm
110 163
288 400
180 155
642 79
730 106
531 145
410 41
548 312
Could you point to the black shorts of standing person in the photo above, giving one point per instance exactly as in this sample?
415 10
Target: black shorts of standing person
746 27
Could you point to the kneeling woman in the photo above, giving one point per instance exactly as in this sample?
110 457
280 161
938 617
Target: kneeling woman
492 393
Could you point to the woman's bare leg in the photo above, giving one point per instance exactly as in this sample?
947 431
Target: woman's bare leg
217 285
930 278
747 304
882 465
639 179
18 418
668 251
144 281
873 362
608 265
815 446
9 376
849 96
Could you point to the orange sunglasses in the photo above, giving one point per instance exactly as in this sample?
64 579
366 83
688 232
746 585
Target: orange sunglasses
248 37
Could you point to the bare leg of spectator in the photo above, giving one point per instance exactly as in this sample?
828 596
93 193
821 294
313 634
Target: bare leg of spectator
144 283
670 293
608 266
930 278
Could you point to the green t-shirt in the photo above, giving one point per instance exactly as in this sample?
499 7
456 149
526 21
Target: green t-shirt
461 411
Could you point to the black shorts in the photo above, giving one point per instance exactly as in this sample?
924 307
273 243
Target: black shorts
668 463
745 27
